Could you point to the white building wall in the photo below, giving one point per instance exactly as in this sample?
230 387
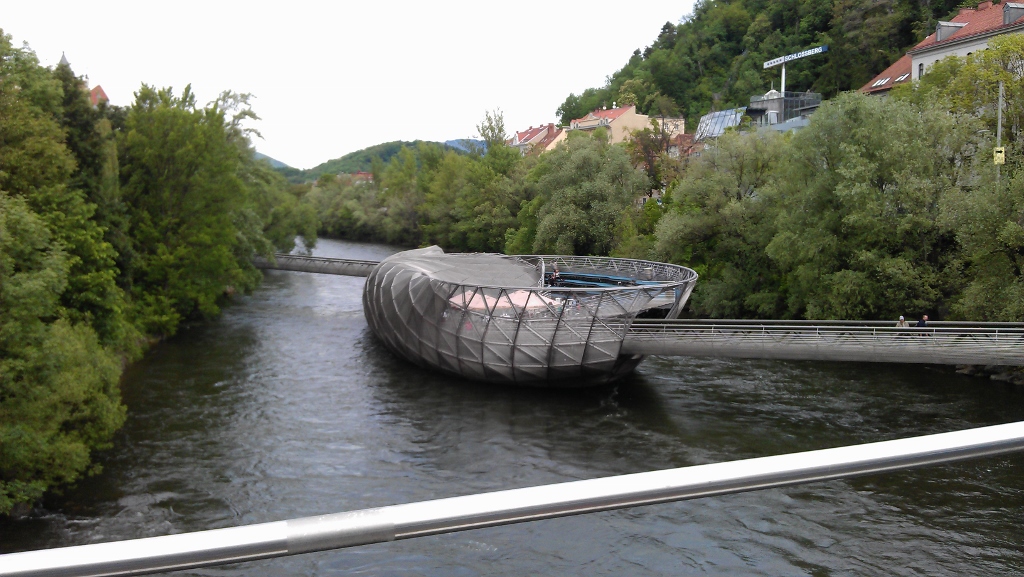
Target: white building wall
929 57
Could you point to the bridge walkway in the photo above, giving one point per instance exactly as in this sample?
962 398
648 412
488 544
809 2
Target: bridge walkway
317 264
941 342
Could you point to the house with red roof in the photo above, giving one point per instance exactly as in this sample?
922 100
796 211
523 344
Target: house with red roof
535 138
969 31
620 122
96 95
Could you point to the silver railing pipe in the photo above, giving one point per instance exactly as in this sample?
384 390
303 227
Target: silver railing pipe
220 546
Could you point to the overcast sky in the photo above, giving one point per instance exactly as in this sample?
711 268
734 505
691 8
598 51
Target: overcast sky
331 78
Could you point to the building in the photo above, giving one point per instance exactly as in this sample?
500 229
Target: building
620 122
779 110
714 124
969 31
684 145
774 110
96 95
535 139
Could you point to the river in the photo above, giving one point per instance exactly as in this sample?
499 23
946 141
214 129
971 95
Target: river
286 406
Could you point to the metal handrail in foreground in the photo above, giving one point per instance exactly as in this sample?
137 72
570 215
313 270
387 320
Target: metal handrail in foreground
276 539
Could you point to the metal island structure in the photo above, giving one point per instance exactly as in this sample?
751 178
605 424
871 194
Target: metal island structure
528 320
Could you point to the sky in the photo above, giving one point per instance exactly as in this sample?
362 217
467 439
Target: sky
330 78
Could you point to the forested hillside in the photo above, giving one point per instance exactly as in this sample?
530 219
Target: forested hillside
358 161
117 225
713 60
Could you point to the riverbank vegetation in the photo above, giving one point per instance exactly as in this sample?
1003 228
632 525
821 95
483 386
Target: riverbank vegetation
117 225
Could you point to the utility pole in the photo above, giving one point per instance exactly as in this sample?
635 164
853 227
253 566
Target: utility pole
1000 153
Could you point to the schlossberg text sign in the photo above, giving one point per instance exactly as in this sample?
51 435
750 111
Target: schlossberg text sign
787 58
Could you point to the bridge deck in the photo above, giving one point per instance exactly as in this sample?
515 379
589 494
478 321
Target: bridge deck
317 264
941 342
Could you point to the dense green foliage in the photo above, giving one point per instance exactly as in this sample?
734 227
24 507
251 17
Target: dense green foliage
116 225
713 59
841 220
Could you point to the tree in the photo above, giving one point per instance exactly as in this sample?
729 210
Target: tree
492 128
180 172
860 234
59 397
582 188
720 217
987 216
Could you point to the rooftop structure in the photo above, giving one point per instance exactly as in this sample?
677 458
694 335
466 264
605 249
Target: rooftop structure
969 31
714 124
683 145
620 122
775 108
97 95
535 138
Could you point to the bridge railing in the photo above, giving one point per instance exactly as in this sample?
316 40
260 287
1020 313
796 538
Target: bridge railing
281 538
939 342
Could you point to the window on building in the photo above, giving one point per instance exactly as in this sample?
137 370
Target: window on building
902 77
920 70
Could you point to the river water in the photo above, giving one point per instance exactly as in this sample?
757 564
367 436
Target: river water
286 406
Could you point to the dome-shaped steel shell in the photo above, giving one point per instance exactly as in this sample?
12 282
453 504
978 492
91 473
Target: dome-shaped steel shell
529 320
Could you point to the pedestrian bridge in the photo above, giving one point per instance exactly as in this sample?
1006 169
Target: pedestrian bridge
317 264
941 342
951 343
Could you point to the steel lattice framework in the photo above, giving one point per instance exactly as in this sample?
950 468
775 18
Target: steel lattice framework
533 320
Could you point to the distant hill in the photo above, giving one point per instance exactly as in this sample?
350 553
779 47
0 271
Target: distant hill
361 160
274 163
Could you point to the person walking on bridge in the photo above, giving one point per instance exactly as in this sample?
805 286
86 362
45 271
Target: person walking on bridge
923 323
902 323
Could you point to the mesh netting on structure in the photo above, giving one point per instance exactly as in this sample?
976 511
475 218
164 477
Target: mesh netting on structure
531 320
